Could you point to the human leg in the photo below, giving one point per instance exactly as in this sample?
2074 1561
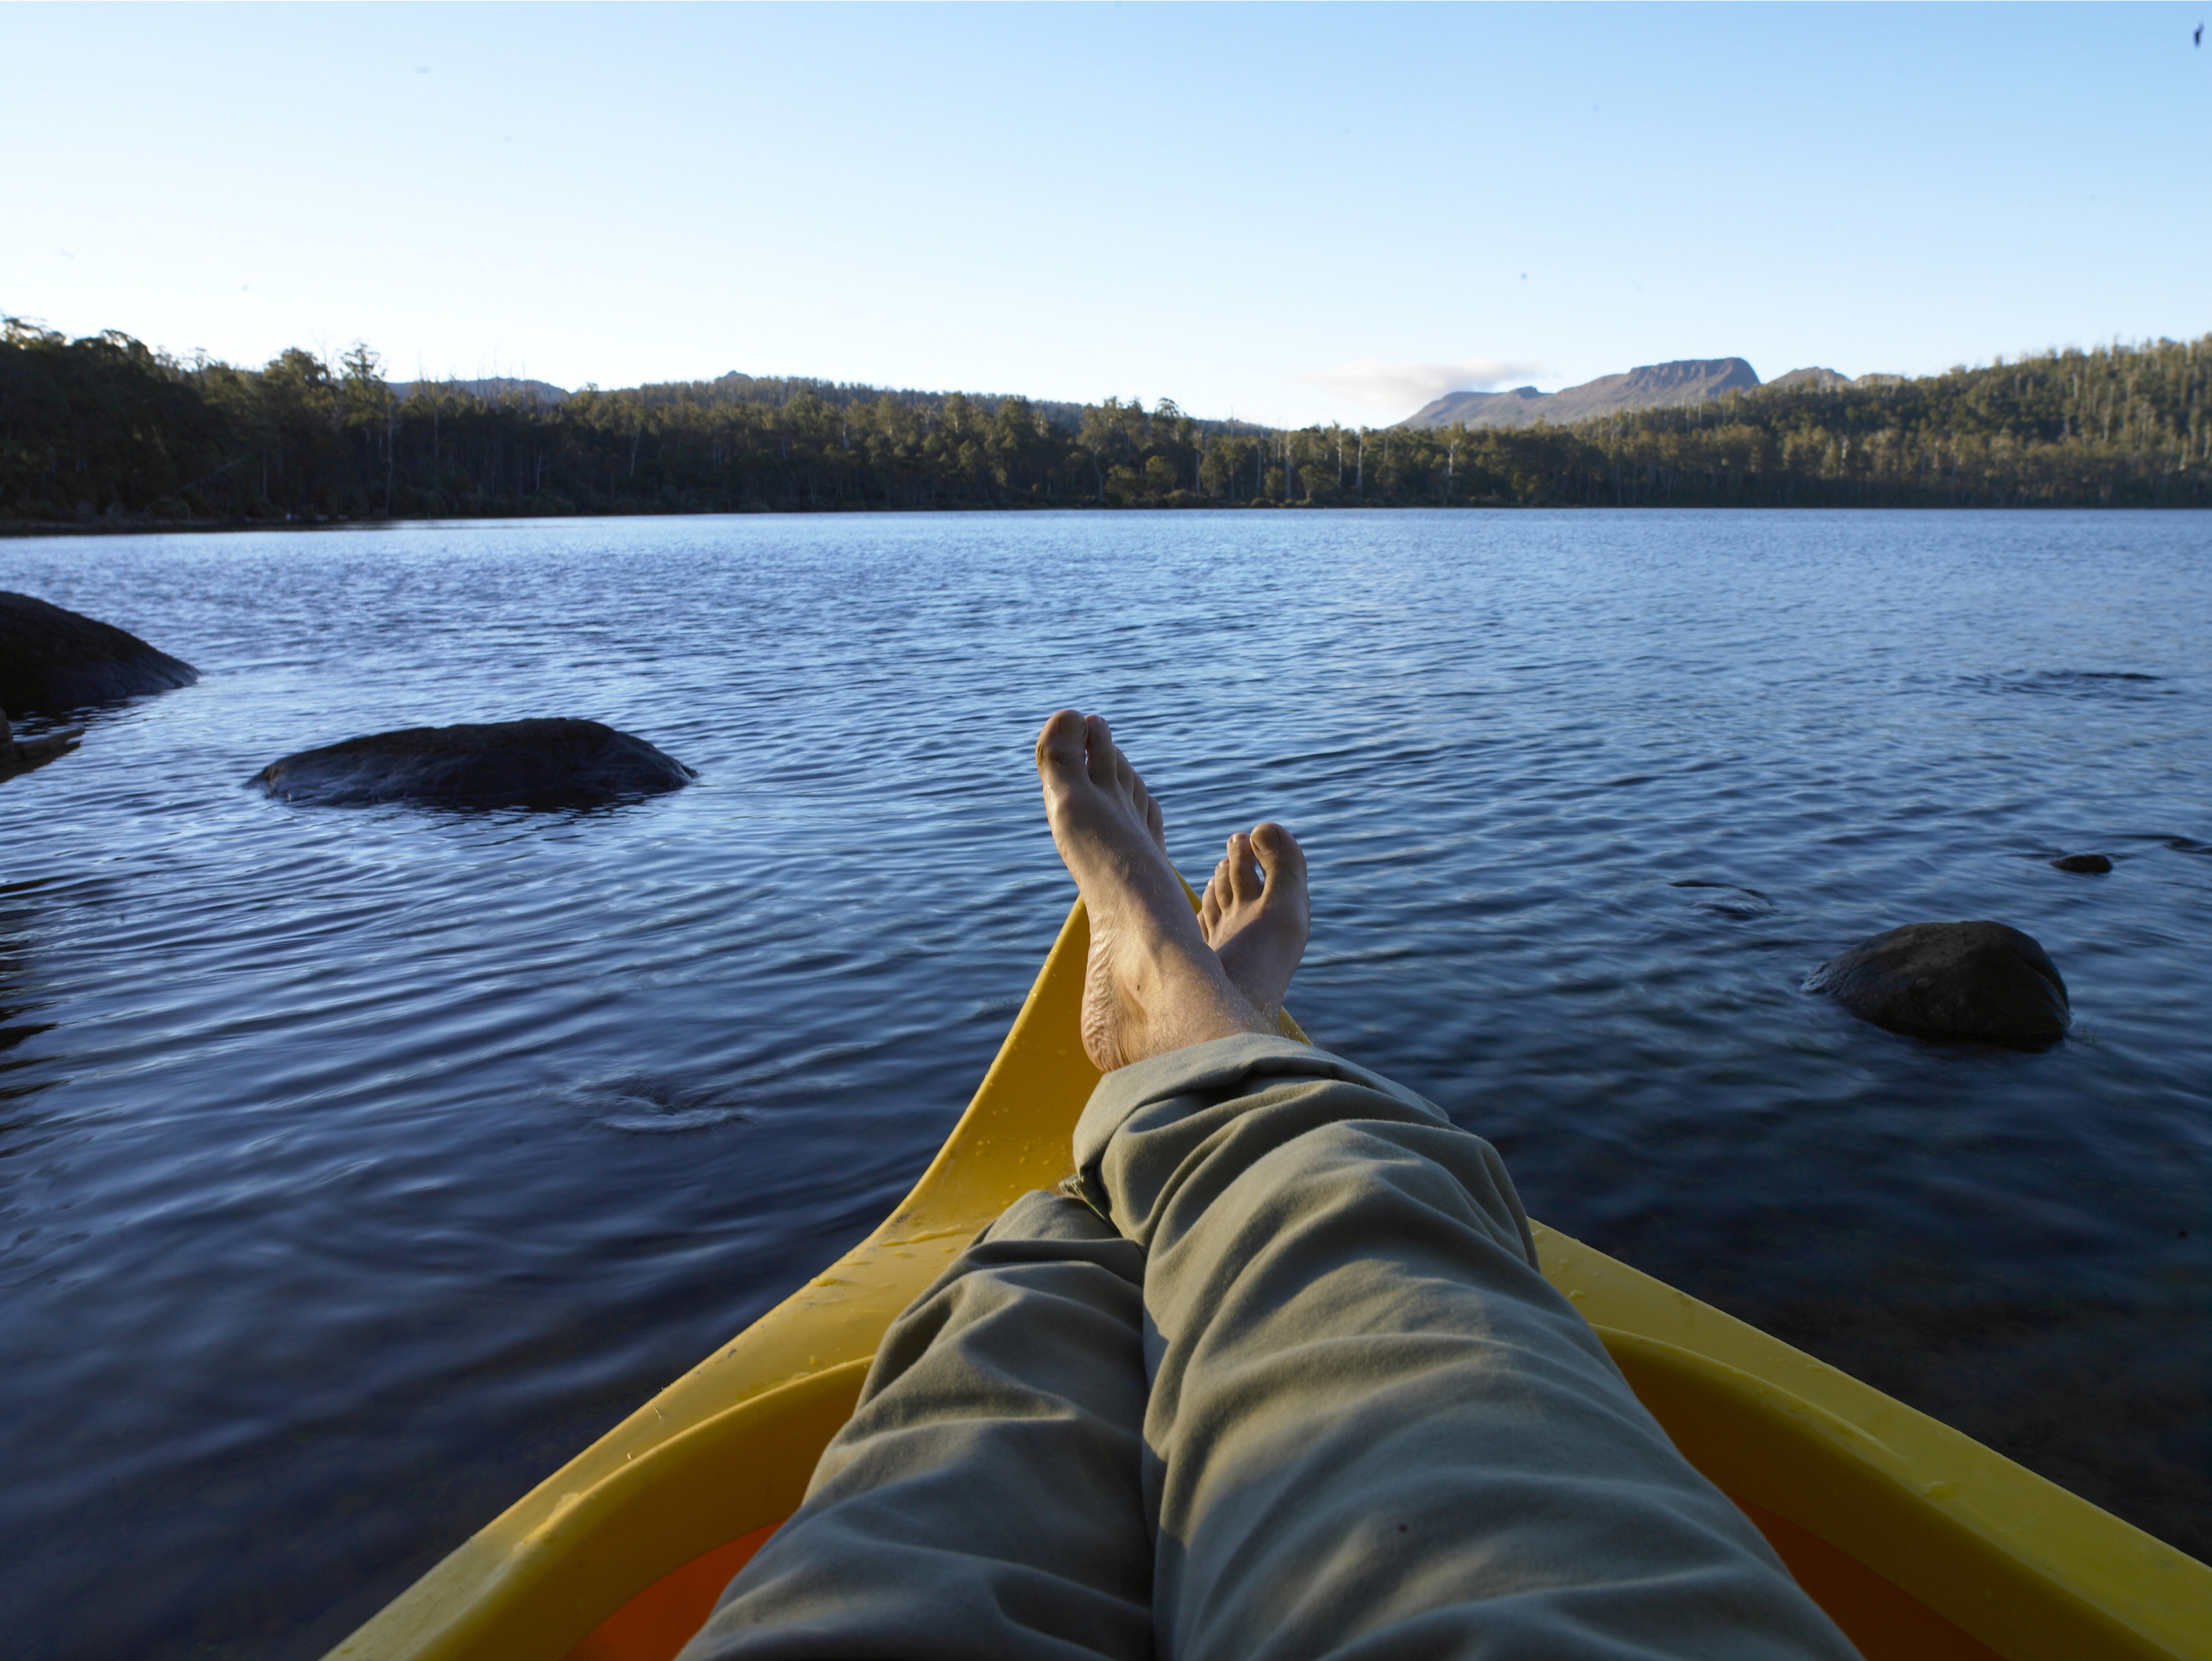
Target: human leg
983 1501
1373 1427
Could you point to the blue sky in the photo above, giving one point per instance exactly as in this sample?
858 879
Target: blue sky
1290 213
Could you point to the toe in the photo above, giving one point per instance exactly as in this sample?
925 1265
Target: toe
1244 870
1105 758
1209 907
1148 810
1278 852
1060 746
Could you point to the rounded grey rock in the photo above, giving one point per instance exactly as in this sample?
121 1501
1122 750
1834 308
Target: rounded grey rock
510 763
54 660
1980 981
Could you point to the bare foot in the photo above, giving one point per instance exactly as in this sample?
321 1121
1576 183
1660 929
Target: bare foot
1153 984
1255 913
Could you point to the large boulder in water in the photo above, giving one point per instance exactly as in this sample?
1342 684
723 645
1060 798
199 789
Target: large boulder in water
508 763
1952 980
52 659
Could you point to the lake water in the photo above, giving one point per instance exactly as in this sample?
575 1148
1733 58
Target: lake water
356 1167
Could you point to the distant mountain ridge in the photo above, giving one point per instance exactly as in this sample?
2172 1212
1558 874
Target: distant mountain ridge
1650 386
493 389
1816 380
737 388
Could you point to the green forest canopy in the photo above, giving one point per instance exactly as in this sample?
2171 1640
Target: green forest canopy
104 427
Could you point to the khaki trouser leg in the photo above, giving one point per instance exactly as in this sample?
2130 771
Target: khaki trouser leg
1369 1426
1373 1428
983 1499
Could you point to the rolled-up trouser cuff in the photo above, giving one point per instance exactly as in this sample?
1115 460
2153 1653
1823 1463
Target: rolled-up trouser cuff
1211 1068
1224 1078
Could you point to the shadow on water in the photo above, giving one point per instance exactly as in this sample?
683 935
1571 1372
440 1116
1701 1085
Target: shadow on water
1725 899
2063 1384
554 808
2075 683
644 1104
19 1012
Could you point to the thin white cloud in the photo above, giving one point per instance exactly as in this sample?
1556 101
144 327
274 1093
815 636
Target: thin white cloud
1380 384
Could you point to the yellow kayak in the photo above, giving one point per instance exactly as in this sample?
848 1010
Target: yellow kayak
1918 1541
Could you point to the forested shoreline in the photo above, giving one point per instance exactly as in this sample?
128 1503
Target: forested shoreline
104 430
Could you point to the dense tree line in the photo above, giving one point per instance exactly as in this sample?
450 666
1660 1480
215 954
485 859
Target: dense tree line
2116 426
103 427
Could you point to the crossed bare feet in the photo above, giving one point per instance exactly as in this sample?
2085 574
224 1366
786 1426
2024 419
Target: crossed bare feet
1161 976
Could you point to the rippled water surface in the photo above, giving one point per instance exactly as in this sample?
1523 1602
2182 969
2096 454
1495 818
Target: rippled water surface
358 1166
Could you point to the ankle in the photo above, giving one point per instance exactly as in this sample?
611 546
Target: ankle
1207 1005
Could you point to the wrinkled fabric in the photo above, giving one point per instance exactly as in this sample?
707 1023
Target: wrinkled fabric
1285 1381
983 1499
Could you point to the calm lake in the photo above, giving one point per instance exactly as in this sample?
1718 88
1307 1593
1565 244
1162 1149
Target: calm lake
356 1167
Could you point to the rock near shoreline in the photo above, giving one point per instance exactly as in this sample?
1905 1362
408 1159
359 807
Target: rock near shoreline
514 764
1978 981
54 660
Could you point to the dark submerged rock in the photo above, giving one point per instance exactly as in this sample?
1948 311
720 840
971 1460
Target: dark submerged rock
22 756
52 659
508 763
2092 864
1726 899
1952 980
